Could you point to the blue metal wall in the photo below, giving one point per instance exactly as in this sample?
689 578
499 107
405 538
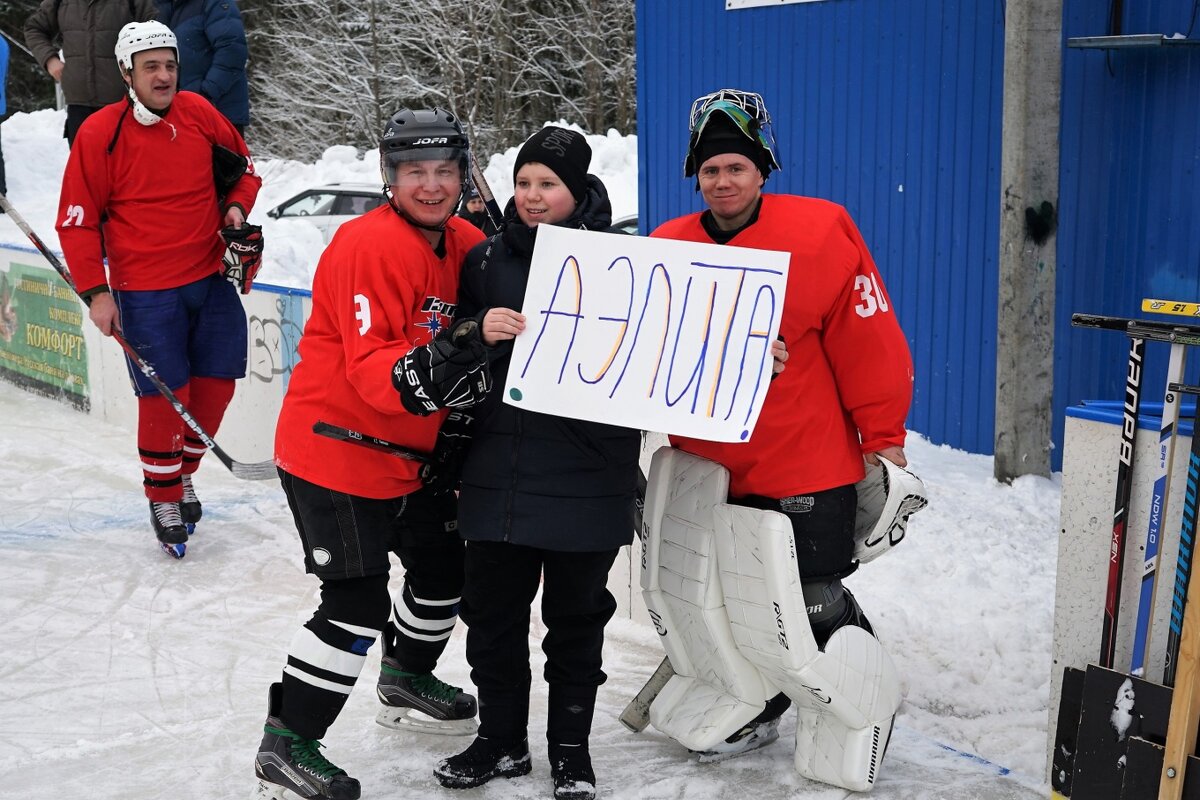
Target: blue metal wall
889 107
894 110
1129 221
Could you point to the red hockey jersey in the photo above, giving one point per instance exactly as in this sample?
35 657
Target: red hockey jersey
379 291
848 381
150 205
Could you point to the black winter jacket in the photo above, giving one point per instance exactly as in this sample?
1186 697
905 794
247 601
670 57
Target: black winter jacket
536 479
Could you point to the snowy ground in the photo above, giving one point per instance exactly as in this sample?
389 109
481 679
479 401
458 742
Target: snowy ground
128 675
125 674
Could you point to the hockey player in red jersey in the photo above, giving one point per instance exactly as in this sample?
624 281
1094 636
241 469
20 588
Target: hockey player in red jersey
377 357
843 394
139 189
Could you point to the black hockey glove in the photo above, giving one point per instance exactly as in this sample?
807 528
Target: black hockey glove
450 372
443 472
243 255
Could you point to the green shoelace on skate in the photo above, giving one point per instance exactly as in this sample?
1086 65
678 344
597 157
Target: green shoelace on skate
306 753
427 685
430 686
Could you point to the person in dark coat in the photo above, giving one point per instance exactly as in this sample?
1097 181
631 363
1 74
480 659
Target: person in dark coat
544 500
85 33
475 212
212 53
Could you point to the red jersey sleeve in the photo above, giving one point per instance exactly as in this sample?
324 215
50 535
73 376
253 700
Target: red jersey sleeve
866 348
84 196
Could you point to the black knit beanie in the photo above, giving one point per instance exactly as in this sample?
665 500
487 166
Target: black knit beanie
564 151
722 136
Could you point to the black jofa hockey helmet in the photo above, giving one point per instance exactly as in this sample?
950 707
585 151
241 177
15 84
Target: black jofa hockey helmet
423 135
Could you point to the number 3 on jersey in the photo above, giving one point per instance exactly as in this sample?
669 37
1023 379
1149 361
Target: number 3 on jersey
870 297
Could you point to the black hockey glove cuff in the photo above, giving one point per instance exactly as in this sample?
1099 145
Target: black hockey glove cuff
450 372
243 255
443 472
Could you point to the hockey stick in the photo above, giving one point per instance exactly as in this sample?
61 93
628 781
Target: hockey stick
1185 696
485 192
1112 597
1158 510
382 445
636 715
257 471
1187 542
1171 307
1072 688
1154 330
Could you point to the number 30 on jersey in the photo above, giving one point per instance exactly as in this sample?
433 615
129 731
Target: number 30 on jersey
870 297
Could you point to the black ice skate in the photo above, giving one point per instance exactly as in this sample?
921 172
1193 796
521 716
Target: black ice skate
482 761
169 528
189 506
757 733
285 762
571 771
423 703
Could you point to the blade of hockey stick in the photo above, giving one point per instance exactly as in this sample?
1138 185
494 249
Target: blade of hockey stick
382 445
256 471
636 715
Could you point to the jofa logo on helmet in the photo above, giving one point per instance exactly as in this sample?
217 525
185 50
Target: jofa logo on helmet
432 140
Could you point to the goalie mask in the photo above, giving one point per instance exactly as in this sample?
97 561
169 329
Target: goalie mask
730 121
887 496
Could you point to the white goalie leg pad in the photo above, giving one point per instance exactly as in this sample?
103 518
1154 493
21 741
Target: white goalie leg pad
849 692
715 689
756 552
829 751
887 497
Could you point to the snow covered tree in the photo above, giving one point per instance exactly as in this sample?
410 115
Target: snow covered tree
332 71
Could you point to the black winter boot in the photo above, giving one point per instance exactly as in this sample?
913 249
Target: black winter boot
571 771
483 760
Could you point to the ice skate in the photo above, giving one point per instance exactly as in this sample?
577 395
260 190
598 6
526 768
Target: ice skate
288 766
747 739
571 771
482 761
169 528
189 506
757 733
423 703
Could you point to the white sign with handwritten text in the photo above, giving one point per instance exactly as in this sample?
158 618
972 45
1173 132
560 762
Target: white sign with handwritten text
654 334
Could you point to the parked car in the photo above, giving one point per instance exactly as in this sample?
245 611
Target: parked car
330 205
628 224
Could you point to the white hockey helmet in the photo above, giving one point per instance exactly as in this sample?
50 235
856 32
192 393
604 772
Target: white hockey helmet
136 37
887 496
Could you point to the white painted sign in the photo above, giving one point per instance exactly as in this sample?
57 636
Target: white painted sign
653 334
734 5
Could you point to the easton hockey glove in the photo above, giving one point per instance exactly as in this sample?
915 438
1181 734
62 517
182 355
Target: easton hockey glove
443 472
243 255
450 372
